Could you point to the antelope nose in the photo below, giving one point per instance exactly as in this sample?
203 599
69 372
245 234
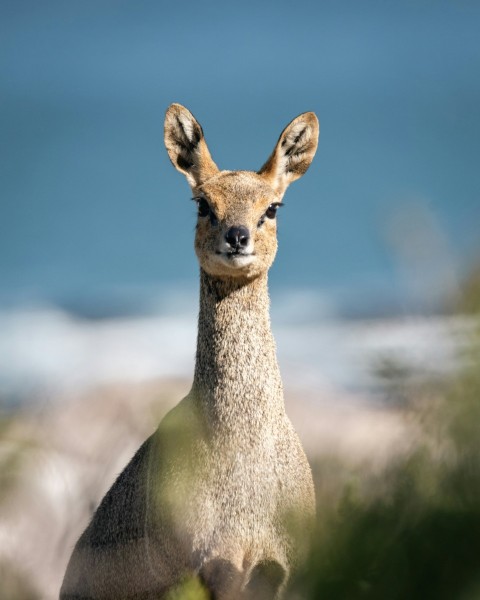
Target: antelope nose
237 237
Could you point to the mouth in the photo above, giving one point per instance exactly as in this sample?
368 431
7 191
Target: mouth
236 258
233 253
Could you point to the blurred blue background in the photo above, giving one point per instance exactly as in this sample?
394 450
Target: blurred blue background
92 213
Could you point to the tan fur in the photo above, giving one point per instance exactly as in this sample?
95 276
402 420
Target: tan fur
222 490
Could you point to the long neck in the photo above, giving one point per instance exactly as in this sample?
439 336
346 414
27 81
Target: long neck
236 372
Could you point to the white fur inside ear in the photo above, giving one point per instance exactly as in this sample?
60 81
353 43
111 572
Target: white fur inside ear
299 133
186 146
293 152
296 139
187 125
293 146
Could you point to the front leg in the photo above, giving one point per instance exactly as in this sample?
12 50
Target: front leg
226 582
222 578
266 581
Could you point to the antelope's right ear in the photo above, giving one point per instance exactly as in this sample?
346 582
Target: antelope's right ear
186 146
293 153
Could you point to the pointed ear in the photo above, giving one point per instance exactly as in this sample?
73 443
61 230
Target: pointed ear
293 153
186 146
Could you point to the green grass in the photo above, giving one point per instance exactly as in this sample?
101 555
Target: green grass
411 532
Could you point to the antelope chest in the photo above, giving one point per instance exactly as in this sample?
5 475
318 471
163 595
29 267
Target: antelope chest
235 508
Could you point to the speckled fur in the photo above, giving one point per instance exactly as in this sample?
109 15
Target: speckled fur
222 490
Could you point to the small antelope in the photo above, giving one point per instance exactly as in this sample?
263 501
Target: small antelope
222 491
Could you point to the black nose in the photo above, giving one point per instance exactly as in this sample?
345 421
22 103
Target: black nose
237 237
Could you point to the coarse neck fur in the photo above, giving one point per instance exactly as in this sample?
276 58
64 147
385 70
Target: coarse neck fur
237 379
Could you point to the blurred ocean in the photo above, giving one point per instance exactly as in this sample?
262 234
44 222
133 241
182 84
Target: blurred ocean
46 351
97 271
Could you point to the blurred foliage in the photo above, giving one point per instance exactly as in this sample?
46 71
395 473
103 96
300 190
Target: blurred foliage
413 531
469 301
14 449
190 589
15 585
394 379
13 452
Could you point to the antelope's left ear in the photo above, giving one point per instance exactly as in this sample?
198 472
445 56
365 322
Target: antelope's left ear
186 146
293 153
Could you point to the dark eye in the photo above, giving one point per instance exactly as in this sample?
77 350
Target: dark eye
203 208
271 211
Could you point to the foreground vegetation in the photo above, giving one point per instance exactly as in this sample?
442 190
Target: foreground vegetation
409 530
413 530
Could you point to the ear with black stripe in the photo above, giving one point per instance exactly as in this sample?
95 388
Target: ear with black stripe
186 146
293 153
